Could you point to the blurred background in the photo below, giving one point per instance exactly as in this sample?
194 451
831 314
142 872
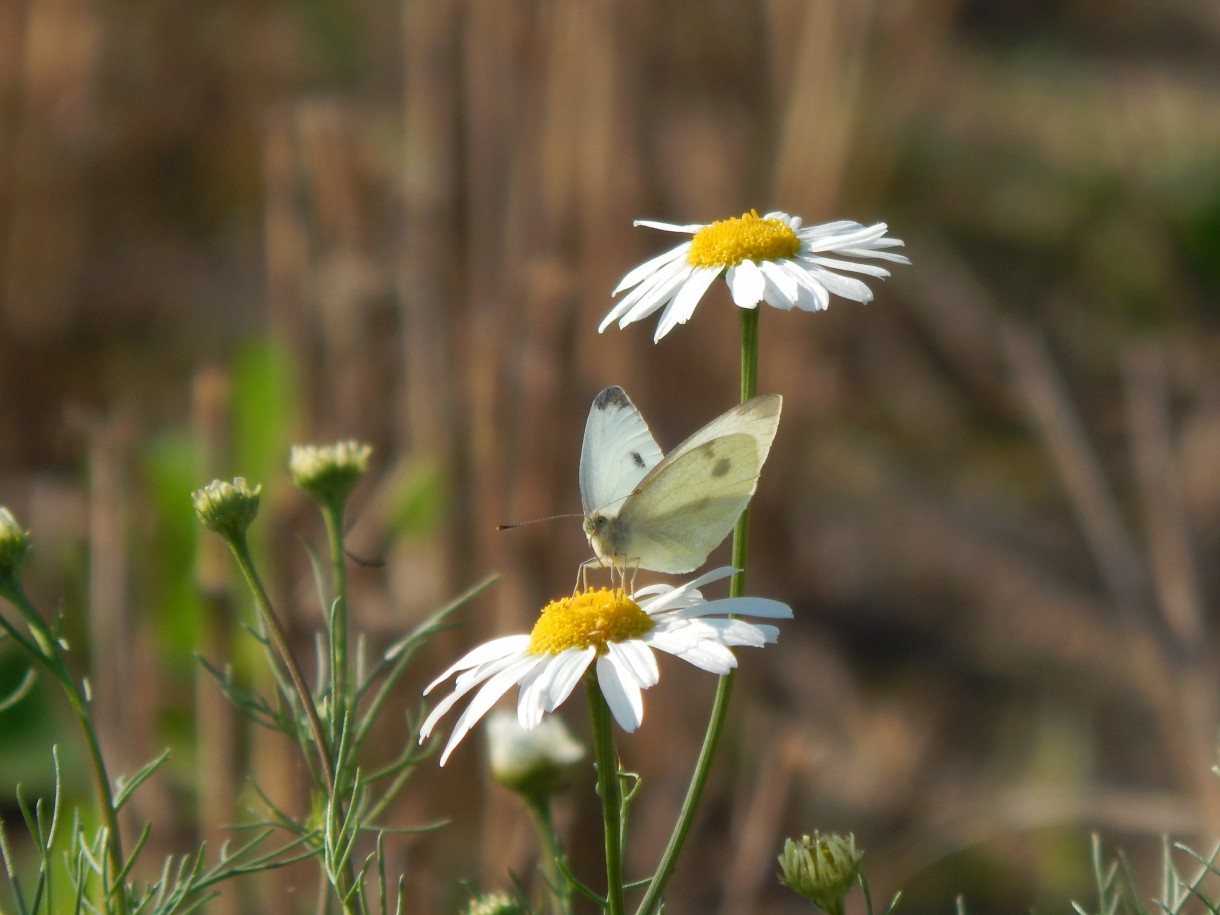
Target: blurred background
994 500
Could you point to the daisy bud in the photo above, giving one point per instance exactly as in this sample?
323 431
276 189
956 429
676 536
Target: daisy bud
14 546
821 868
533 763
328 473
227 508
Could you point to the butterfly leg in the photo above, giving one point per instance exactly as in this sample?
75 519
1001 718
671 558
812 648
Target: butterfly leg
582 574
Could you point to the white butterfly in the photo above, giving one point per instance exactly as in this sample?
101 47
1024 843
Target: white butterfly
667 513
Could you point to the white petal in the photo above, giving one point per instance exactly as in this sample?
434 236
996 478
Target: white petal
570 666
814 296
747 284
845 286
829 229
874 253
464 685
531 697
638 658
782 287
553 685
736 633
668 226
637 274
704 654
770 633
845 234
485 698
673 596
792 222
655 293
741 606
648 296
683 304
651 591
488 651
621 693
833 263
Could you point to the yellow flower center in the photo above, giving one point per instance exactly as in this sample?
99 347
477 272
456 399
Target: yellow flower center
728 242
590 617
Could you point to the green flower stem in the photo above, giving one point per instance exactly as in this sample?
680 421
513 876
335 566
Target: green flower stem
724 688
241 552
749 389
350 900
550 853
610 791
45 651
340 667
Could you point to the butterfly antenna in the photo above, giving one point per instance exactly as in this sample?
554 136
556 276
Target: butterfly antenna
509 526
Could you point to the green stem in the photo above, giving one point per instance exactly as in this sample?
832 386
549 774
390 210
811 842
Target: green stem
610 791
550 852
46 652
332 513
344 884
724 688
241 552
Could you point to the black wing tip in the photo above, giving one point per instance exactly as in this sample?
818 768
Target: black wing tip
613 396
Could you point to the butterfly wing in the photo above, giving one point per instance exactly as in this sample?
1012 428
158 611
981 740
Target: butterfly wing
617 453
689 502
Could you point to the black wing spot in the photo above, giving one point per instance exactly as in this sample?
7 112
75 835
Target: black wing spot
722 467
637 459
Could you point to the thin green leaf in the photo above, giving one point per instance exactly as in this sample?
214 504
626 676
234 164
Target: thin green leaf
126 786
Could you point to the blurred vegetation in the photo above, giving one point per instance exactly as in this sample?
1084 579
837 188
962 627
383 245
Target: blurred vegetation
994 502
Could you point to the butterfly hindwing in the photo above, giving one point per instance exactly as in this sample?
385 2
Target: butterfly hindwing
691 505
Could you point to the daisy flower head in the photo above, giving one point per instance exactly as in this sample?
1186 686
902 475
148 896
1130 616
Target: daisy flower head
769 258
612 632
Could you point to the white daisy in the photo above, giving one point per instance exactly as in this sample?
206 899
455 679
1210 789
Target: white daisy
617 632
763 258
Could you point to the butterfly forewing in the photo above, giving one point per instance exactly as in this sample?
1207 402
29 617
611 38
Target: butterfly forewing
617 453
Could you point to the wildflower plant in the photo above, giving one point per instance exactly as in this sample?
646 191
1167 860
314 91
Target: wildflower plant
771 259
331 720
99 863
607 637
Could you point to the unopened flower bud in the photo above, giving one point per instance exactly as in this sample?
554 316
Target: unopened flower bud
821 868
328 473
227 508
14 546
534 763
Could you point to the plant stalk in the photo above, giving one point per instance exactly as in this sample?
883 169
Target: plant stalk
724 688
340 663
609 790
46 652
